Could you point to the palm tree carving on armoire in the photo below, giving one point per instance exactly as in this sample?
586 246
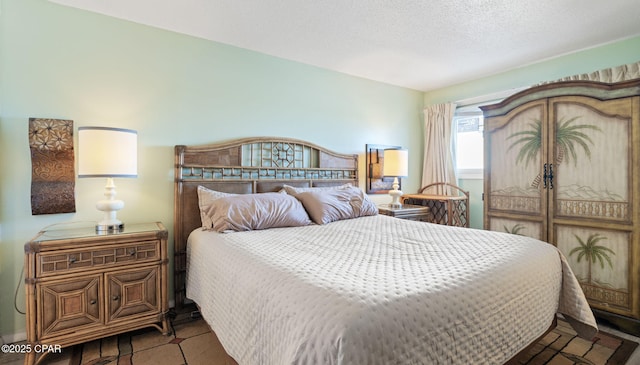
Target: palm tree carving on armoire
515 229
568 136
592 252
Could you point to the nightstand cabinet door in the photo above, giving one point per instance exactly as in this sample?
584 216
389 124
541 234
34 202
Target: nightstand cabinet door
133 292
67 306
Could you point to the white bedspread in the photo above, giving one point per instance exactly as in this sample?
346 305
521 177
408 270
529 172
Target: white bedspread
379 290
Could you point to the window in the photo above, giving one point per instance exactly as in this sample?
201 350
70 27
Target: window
467 135
469 148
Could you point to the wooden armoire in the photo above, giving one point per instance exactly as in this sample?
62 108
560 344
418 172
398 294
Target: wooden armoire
562 164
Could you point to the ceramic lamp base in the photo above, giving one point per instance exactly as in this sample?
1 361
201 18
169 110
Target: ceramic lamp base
110 206
395 195
110 228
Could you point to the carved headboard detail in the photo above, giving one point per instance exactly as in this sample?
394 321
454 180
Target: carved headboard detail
245 166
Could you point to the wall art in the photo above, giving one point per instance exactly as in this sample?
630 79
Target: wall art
52 166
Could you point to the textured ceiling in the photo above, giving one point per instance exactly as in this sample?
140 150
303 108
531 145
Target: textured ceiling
418 44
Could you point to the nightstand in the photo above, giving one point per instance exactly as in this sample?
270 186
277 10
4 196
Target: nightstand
407 211
82 285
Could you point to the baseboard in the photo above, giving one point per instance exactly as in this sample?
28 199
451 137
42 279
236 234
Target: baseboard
14 337
621 323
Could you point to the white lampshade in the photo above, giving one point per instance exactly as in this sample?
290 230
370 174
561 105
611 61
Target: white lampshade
107 152
396 162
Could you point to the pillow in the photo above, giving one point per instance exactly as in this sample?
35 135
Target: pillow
245 212
327 206
205 199
292 190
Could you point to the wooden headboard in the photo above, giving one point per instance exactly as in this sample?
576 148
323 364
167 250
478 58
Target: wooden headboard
245 166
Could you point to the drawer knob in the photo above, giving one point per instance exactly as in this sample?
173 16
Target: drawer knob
93 301
115 297
72 259
132 252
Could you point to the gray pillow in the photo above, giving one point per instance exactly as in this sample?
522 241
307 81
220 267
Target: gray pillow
325 206
245 212
292 190
205 199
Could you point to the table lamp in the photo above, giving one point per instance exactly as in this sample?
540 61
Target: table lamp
395 164
108 152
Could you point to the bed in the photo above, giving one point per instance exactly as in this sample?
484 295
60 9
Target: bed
359 289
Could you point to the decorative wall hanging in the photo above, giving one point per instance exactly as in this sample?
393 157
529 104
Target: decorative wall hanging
52 166
377 183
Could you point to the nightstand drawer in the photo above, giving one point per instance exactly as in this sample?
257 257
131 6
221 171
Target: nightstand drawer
64 261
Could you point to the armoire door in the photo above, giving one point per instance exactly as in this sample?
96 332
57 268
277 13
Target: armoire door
515 151
591 211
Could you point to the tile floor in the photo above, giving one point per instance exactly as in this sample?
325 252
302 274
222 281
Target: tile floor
562 346
195 344
635 356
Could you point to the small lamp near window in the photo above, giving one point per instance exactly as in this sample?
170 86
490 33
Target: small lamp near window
108 152
396 164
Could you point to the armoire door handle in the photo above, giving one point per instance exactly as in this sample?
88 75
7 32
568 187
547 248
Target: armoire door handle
544 177
550 176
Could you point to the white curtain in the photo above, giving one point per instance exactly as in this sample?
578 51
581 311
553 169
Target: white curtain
438 159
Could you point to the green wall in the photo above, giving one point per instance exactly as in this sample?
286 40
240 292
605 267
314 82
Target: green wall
614 54
60 62
474 187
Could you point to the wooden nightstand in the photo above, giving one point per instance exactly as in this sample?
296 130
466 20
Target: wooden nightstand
81 285
411 212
